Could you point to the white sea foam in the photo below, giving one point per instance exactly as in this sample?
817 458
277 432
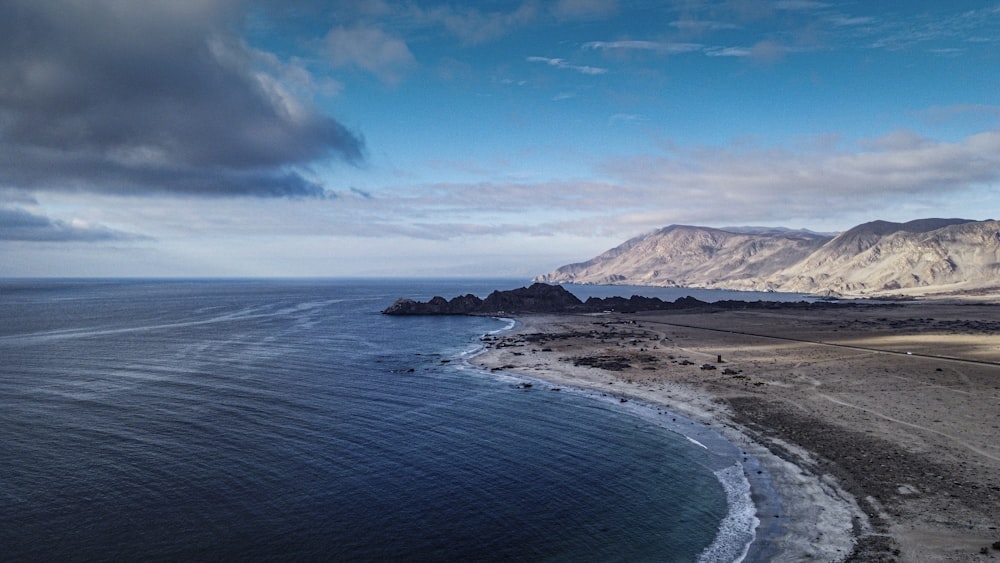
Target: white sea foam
479 348
511 323
696 442
737 530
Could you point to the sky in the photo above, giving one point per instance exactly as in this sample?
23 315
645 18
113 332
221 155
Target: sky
380 138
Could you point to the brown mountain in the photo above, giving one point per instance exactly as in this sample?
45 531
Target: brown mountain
686 256
918 257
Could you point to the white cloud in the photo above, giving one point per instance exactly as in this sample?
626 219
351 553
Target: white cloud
371 49
669 48
702 26
898 176
729 52
968 27
766 183
979 113
473 26
766 51
561 63
845 21
624 118
896 141
814 186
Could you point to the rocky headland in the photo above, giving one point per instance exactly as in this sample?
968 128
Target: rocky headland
545 298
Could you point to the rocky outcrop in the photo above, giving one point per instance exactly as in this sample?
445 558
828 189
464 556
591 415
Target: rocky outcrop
876 258
539 298
545 298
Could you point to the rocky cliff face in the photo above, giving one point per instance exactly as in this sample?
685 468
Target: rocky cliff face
924 256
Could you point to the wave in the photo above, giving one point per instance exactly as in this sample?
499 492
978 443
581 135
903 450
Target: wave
511 323
468 355
738 529
696 442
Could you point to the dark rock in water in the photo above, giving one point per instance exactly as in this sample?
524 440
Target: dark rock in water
539 298
545 298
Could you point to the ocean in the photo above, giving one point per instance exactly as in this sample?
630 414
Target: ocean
290 420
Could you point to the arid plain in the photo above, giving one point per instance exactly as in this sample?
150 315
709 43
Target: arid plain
877 424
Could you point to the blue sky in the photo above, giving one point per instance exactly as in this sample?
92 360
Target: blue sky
368 138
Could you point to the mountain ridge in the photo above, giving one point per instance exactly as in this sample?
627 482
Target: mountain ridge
920 257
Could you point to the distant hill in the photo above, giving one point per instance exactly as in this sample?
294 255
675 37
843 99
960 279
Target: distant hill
876 258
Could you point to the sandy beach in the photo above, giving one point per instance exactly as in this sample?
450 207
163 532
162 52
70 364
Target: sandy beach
878 426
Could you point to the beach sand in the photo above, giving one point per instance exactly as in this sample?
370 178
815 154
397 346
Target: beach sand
877 425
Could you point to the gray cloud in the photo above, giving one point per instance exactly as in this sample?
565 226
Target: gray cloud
20 225
136 97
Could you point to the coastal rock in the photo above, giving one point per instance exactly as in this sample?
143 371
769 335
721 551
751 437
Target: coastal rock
538 298
545 298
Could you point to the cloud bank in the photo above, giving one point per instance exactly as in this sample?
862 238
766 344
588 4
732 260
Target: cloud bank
898 176
20 225
137 97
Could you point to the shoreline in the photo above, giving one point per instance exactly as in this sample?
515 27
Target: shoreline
692 418
800 428
725 453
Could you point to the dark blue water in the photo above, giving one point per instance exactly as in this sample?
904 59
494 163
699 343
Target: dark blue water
289 420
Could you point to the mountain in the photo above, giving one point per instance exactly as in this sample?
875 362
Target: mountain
876 258
880 257
687 256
